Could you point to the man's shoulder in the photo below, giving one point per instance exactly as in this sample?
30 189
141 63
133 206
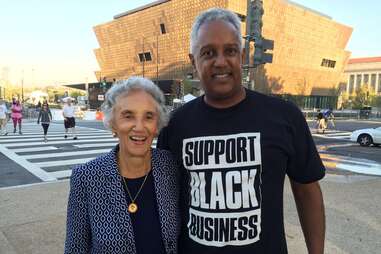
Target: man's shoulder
270 102
185 109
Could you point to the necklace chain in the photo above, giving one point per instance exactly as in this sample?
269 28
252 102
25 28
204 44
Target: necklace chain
141 187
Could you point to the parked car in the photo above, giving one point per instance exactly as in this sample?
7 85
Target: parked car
366 137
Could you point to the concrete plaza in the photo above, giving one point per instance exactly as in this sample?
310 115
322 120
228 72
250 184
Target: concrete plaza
32 218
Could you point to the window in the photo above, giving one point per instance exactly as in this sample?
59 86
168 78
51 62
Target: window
351 84
145 56
328 63
373 78
358 81
141 57
162 28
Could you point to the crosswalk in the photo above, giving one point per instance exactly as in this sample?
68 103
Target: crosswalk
53 160
332 134
355 165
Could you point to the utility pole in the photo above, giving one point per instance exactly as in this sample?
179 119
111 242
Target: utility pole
22 87
254 23
246 69
144 57
157 59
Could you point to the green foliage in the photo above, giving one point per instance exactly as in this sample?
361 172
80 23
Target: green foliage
375 101
188 88
76 93
362 97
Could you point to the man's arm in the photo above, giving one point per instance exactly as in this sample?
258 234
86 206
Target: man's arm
310 206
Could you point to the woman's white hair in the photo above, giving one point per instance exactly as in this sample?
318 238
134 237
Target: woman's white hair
123 88
214 14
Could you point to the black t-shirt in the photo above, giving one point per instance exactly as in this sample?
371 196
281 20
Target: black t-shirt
234 163
145 222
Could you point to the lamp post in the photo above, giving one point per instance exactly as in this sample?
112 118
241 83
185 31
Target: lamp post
157 59
22 87
144 57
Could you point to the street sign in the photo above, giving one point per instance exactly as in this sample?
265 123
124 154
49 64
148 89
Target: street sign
101 97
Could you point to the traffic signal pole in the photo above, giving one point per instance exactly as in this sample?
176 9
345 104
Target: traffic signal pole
246 69
254 15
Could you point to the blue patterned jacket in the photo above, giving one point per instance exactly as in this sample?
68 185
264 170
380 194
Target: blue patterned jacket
97 216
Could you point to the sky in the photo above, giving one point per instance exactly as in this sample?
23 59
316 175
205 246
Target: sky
51 42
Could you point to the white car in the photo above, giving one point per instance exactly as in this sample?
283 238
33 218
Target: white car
366 137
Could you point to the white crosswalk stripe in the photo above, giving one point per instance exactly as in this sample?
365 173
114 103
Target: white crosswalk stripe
332 134
53 160
355 165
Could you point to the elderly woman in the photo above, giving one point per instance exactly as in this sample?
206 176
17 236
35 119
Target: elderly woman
126 200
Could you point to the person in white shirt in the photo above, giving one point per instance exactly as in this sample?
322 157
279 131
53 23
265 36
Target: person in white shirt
3 117
69 119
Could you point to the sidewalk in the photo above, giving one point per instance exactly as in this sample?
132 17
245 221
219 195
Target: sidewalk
32 218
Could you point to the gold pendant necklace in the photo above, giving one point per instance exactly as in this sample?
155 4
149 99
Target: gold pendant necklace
133 207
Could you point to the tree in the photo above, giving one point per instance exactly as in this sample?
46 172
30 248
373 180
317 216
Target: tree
76 93
362 97
376 101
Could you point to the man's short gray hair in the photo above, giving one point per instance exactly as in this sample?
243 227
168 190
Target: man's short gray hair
123 88
214 14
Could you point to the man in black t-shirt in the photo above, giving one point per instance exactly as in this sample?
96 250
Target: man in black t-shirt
235 147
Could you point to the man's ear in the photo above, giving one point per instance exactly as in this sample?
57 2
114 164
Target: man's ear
243 55
191 58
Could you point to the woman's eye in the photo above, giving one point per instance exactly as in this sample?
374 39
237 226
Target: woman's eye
149 116
207 53
231 51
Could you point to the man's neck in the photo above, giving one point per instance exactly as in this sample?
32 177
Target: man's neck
228 102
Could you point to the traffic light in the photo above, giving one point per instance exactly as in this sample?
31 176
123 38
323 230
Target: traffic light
256 12
260 48
103 84
261 44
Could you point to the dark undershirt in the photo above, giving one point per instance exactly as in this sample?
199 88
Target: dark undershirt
145 222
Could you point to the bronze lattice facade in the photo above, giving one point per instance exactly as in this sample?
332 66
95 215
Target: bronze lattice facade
153 41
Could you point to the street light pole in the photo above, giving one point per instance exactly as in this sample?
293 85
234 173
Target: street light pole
22 87
144 57
157 59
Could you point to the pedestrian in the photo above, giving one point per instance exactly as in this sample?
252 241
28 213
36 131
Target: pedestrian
45 117
3 117
329 118
321 122
68 113
126 201
235 147
38 106
16 115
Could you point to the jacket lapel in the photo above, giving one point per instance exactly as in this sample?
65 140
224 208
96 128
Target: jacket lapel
160 187
117 196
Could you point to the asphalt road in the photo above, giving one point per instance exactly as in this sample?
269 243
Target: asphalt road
354 151
343 147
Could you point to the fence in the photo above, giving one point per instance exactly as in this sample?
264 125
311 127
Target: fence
347 114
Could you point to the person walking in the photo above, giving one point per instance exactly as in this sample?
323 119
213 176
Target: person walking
3 118
69 118
321 122
45 117
329 118
16 115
